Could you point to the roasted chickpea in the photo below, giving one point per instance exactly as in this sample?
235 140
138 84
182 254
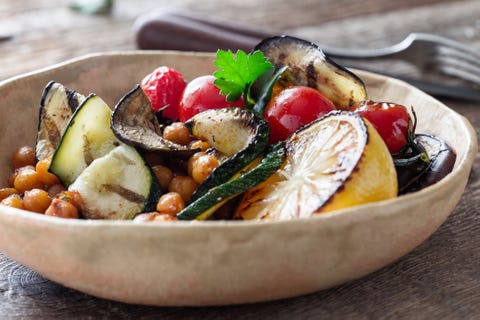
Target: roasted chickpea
164 217
42 169
14 201
199 144
63 209
183 185
74 197
26 179
170 203
202 167
144 217
153 216
178 133
163 174
55 189
6 192
23 156
36 200
192 160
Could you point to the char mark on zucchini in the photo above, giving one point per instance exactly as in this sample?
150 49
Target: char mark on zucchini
124 193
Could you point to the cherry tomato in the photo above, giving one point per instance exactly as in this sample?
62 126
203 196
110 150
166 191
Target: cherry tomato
164 87
390 119
201 94
293 108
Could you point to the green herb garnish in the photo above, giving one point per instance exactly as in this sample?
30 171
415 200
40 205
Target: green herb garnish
236 74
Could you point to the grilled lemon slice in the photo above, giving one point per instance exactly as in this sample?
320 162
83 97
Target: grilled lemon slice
335 162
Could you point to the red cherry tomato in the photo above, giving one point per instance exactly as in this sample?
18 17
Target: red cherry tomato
390 119
201 94
293 108
164 87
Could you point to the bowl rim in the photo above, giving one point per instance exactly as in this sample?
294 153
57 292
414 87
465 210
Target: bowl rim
344 215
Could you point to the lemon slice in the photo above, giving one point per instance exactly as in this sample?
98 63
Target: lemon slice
335 162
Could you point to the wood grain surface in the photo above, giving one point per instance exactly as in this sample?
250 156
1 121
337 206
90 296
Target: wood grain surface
438 280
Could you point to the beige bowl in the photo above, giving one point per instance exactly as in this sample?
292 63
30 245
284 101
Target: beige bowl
216 263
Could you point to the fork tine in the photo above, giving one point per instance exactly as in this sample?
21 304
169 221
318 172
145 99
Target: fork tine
472 58
451 57
459 66
451 46
446 45
455 70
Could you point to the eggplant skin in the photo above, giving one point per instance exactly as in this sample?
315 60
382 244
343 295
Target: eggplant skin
135 123
420 175
309 66
57 105
442 159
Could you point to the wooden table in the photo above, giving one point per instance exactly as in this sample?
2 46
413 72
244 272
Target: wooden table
440 279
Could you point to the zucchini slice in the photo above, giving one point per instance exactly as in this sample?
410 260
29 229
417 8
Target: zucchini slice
208 203
88 136
135 123
117 186
309 66
56 107
240 134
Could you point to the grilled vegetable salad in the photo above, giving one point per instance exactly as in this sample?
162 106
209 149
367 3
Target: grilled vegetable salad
280 133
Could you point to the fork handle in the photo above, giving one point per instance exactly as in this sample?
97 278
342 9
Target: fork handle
187 31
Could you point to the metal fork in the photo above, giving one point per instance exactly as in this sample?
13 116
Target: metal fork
432 55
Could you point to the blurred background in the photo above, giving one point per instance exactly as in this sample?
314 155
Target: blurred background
39 33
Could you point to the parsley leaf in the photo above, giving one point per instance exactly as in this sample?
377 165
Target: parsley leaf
237 73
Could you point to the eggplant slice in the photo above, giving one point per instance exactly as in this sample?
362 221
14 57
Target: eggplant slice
134 122
309 66
238 133
56 108
420 174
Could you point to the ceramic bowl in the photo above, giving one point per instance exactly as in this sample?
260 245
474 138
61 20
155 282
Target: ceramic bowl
216 262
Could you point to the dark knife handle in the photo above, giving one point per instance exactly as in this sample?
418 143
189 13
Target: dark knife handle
190 32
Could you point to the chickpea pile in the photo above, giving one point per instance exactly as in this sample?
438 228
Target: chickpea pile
178 178
32 187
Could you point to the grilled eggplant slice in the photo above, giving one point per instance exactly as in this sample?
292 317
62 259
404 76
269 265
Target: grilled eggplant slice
309 66
420 171
56 107
239 134
135 123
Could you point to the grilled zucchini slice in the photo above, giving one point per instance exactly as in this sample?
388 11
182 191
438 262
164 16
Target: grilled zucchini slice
88 136
240 134
254 174
117 186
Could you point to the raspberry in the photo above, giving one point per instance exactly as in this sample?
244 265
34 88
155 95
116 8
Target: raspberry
164 87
